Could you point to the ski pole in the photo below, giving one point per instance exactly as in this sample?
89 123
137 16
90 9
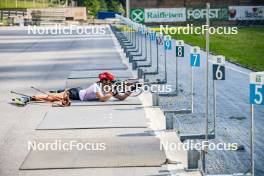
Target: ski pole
13 92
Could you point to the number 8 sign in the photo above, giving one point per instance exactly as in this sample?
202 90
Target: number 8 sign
218 68
257 88
179 48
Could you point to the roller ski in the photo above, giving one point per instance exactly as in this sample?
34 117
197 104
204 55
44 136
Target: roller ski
22 101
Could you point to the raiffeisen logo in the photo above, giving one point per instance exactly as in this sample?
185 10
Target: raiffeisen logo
163 15
158 15
138 15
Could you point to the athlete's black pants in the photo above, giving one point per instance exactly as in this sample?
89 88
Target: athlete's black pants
73 93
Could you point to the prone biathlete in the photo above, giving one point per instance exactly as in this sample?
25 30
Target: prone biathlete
100 91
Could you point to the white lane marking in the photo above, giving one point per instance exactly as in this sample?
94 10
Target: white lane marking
237 70
234 69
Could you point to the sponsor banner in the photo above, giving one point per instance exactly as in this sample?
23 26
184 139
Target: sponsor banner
246 12
158 15
215 13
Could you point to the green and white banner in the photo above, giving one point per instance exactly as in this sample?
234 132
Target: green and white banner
215 13
158 15
224 13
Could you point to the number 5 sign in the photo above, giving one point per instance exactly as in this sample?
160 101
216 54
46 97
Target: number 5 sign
257 88
218 67
195 56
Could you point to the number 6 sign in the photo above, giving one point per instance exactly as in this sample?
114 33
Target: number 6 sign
218 68
257 88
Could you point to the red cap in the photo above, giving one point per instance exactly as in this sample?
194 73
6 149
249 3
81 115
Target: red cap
106 75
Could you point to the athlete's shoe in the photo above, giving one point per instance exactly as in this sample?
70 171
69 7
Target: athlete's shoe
21 101
18 102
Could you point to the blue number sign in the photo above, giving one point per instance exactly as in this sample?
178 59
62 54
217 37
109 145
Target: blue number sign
257 88
152 36
195 57
167 42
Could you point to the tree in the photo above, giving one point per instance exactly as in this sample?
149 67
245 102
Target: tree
115 6
93 6
103 5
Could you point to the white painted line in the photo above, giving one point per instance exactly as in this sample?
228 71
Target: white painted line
237 70
234 69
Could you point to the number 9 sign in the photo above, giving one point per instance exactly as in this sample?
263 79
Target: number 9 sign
218 68
167 42
257 88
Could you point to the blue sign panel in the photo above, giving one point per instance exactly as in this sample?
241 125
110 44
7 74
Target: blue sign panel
152 36
195 60
167 45
257 94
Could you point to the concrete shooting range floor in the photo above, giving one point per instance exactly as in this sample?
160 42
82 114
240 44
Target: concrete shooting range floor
98 66
112 101
95 73
94 117
100 62
119 152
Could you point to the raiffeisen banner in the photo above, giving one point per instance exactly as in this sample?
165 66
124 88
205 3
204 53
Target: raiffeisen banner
158 15
246 12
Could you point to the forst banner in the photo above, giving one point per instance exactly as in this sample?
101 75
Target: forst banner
246 12
158 15
215 13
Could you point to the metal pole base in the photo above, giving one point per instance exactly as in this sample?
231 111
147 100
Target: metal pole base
193 160
168 94
140 73
155 99
196 136
179 111
169 122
